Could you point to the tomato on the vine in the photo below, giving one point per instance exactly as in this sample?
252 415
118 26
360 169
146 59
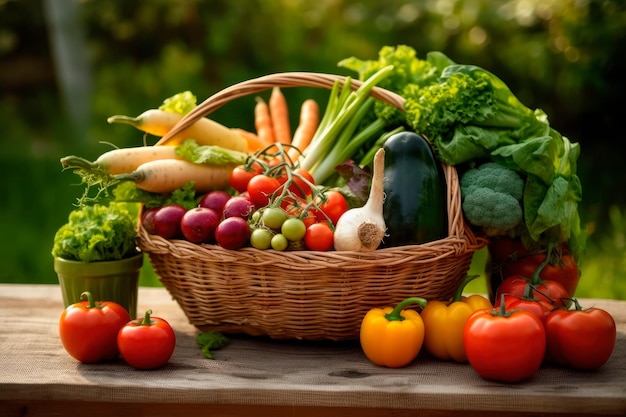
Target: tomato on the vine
540 308
561 268
240 177
550 293
580 338
319 237
273 217
293 229
503 345
301 178
146 343
299 208
331 209
260 188
88 329
261 238
510 258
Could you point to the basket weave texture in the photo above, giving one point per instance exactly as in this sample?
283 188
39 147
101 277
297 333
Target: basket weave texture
305 294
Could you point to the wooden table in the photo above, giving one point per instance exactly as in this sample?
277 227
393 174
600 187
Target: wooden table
257 376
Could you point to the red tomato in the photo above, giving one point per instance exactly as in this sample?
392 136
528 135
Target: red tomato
331 209
509 257
506 346
580 339
240 177
88 330
260 189
146 343
301 178
319 237
296 208
562 269
549 292
504 249
538 307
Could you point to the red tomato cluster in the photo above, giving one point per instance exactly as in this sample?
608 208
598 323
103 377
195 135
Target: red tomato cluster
96 331
510 258
510 345
231 220
531 321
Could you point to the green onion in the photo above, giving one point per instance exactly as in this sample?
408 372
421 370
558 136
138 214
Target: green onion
336 138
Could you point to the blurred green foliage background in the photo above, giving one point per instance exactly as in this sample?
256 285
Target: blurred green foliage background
66 65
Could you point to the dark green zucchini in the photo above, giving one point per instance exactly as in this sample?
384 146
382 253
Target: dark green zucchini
415 207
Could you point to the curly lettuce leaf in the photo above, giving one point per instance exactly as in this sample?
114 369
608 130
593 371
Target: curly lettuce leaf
96 233
209 154
181 103
128 192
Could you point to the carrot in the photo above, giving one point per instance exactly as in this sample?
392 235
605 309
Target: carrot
167 175
123 160
308 124
263 122
254 143
279 113
205 131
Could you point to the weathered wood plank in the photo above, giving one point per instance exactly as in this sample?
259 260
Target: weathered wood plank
37 375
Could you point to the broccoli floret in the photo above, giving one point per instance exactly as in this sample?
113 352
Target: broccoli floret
492 195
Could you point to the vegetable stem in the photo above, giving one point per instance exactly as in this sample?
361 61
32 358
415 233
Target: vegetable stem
133 121
89 297
459 291
335 141
147 320
395 313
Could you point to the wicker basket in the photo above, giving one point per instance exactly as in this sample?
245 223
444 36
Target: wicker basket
305 294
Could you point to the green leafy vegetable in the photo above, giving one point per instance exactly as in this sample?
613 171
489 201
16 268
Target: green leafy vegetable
211 341
552 190
209 154
470 117
96 233
492 197
128 192
181 103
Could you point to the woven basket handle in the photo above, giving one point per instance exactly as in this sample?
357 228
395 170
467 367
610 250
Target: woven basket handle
267 82
456 224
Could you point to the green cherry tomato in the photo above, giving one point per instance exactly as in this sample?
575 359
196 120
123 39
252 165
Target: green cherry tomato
273 217
293 229
279 242
261 238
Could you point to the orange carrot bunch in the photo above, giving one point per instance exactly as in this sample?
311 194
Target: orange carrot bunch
272 125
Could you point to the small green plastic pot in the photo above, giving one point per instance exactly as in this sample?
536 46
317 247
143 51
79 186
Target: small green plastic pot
116 281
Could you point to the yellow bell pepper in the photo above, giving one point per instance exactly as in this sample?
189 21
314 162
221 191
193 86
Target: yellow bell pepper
393 337
444 323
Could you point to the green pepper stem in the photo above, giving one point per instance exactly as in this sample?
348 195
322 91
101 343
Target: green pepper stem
89 297
395 313
459 291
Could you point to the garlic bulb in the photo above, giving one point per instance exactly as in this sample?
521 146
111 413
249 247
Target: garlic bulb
363 228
